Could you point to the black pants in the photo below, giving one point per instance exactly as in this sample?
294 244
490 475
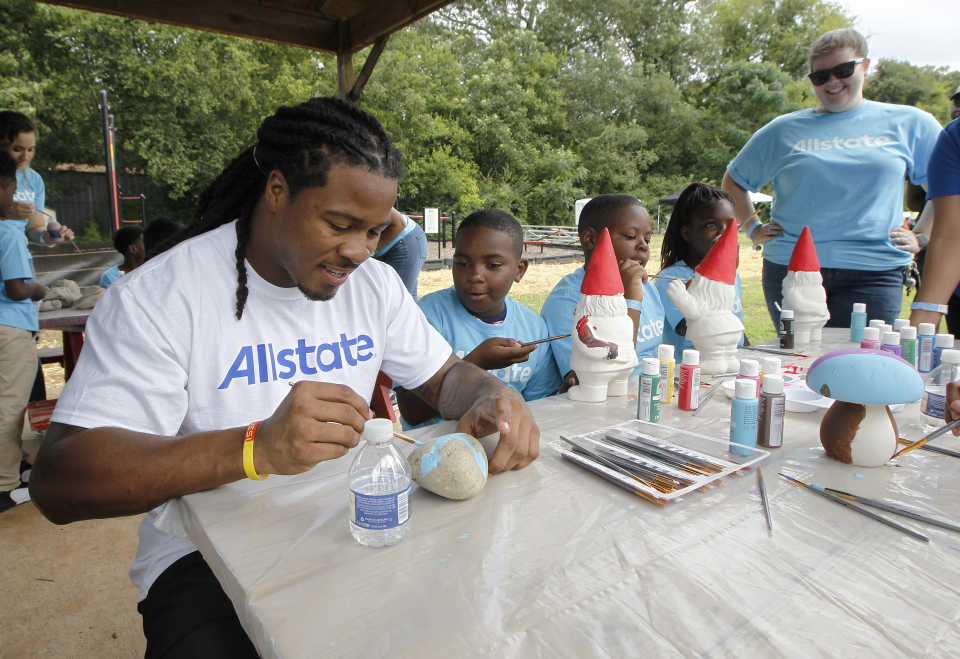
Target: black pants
186 615
953 315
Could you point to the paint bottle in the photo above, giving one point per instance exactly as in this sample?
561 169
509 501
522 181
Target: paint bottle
908 344
871 338
769 366
858 320
743 417
925 336
899 324
891 343
940 343
877 322
884 328
750 370
667 365
648 398
688 397
786 329
770 412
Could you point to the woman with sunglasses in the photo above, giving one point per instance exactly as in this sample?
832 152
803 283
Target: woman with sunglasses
838 168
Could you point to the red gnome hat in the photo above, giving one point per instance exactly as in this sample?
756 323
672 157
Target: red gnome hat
720 263
804 257
603 271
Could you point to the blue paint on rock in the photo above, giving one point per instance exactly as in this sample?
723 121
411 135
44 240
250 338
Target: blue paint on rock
429 461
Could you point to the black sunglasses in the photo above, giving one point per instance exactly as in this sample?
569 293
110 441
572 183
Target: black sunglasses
840 71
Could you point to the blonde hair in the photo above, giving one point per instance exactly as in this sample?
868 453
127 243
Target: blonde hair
835 40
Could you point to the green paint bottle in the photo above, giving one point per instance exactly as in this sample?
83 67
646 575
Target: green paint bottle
648 395
908 344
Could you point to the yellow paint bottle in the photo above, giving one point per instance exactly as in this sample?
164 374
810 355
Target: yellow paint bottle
667 365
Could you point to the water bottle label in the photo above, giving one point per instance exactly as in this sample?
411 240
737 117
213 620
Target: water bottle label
379 511
932 404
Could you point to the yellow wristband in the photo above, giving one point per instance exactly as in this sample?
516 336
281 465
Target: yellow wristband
248 453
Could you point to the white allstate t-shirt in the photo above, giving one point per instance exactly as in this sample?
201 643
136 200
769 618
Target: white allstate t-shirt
164 353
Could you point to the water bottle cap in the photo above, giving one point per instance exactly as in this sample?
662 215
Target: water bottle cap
786 313
943 341
665 351
877 322
749 367
859 307
891 338
871 333
378 431
900 323
746 389
908 333
770 366
691 357
926 328
950 357
651 366
773 383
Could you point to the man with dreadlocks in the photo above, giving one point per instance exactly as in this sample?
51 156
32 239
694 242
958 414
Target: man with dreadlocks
174 375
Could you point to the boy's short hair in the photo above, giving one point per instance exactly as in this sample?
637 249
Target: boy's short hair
125 237
595 214
8 167
159 230
498 220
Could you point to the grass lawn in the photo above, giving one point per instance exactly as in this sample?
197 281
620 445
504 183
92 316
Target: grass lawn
540 280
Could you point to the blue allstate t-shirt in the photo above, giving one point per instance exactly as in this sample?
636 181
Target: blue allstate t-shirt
673 316
110 276
535 378
15 264
944 179
30 189
561 304
841 174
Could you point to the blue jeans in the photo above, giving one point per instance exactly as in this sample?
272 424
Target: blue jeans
407 257
881 291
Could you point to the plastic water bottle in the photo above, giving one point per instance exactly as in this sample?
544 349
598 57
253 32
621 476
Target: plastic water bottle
935 388
379 488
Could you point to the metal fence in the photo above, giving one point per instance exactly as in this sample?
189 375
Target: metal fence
81 198
565 236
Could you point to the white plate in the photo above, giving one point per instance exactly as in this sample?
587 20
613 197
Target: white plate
804 400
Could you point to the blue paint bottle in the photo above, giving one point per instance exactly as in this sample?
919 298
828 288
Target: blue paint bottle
925 337
940 343
743 418
858 320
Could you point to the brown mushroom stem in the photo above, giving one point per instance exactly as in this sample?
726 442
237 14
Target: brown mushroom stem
864 435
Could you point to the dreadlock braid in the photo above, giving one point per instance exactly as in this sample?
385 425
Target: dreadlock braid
693 197
302 141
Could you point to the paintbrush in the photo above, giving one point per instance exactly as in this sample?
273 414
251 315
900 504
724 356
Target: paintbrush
740 226
933 449
651 453
774 351
724 375
71 240
552 338
763 499
671 278
942 430
706 397
706 462
603 460
887 507
844 502
651 479
607 474
666 473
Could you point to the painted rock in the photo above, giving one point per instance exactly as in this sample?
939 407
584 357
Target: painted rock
453 466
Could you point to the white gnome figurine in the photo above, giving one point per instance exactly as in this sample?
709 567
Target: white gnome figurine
604 354
803 291
707 305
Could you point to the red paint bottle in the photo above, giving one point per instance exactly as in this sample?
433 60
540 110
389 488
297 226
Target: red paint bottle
688 398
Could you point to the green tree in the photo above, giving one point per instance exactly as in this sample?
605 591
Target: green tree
925 87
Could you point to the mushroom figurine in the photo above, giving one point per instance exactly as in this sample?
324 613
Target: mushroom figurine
859 428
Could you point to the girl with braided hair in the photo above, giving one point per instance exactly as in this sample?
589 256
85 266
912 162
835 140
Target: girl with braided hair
699 218
271 284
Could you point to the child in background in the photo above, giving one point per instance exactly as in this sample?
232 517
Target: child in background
477 318
629 224
699 218
129 242
158 231
18 349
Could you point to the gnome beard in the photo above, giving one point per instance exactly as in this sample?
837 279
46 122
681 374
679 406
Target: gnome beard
803 293
603 353
711 324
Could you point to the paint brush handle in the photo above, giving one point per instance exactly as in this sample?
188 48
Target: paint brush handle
740 226
942 430
400 435
706 397
763 499
906 513
862 511
552 338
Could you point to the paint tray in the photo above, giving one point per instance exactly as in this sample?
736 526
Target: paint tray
723 461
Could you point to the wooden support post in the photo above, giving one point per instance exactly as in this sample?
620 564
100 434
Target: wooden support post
367 69
344 61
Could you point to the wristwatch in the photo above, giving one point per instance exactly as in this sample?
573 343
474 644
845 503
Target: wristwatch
923 239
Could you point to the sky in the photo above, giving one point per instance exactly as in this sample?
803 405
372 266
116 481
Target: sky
921 32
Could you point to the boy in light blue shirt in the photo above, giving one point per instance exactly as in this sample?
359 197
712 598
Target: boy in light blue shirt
480 322
629 224
129 242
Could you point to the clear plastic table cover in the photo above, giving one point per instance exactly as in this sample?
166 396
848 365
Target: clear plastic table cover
553 561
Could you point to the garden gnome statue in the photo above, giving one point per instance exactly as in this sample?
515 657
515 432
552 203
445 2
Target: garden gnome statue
706 303
803 290
604 354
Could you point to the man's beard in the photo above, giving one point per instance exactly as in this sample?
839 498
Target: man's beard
313 295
